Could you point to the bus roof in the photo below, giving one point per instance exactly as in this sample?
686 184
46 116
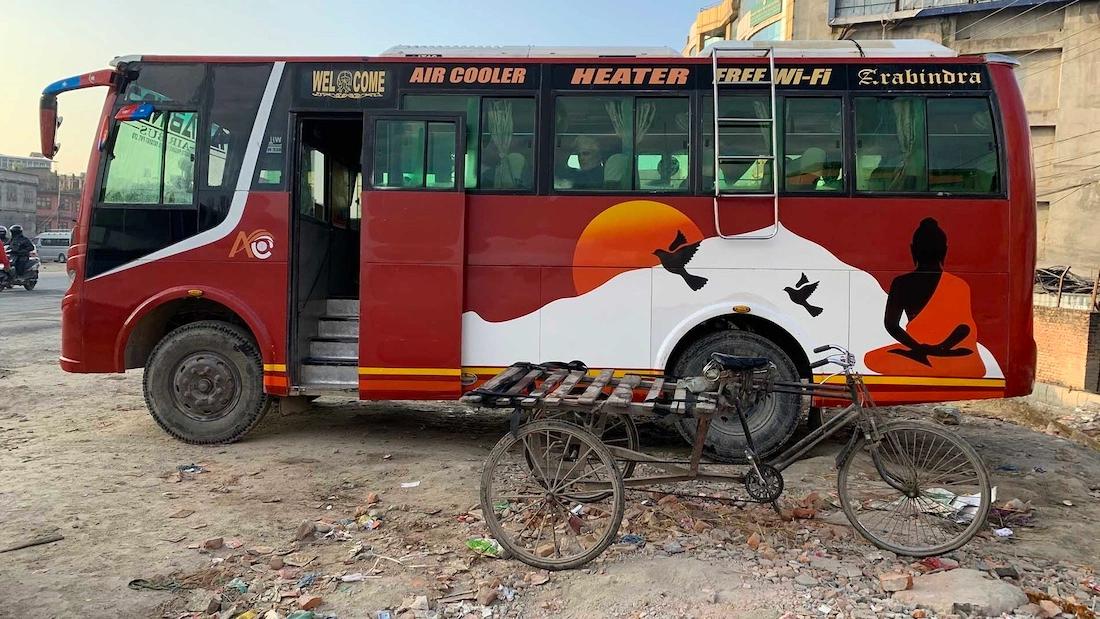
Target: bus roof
909 49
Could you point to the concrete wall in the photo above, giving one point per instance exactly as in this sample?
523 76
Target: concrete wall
1069 347
18 200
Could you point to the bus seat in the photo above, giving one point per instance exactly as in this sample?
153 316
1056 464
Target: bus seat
616 171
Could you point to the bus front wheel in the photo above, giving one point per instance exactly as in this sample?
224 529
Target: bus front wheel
204 383
771 422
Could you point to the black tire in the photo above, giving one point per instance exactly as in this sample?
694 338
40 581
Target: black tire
772 422
62 258
922 444
204 383
31 284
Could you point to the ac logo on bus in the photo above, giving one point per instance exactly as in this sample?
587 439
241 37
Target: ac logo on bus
256 245
349 84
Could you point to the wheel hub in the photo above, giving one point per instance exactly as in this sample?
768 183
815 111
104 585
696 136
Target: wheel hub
205 386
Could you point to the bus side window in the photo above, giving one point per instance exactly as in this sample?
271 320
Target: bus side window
593 143
890 152
463 104
812 144
662 144
135 174
507 143
962 148
745 140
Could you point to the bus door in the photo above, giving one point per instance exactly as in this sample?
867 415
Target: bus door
412 249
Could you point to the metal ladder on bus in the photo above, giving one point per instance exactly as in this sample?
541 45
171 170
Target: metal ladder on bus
769 53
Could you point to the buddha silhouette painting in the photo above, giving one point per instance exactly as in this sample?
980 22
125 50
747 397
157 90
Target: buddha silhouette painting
939 336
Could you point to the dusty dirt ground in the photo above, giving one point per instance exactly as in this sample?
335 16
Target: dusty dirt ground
80 456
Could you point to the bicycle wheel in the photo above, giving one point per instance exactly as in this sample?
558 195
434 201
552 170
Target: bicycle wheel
552 495
919 491
619 430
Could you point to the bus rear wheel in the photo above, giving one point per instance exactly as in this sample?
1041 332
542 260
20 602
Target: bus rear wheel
204 383
771 422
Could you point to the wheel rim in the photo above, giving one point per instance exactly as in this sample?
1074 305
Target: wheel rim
532 503
205 386
918 492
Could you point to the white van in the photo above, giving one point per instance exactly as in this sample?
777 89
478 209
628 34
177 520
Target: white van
54 244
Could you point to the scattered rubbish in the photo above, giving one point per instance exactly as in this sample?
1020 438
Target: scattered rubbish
1008 468
462 596
1004 532
507 593
368 522
356 577
302 614
35 541
935 564
307 580
248 614
156 584
383 614
946 503
488 547
239 585
632 538
1067 503
410 484
1038 469
190 468
183 513
502 506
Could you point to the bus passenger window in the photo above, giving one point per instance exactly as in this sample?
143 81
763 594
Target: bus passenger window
812 134
962 149
507 143
747 141
890 155
593 143
399 153
153 161
462 104
662 144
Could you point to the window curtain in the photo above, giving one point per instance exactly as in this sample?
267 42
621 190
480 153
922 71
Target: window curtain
909 125
501 130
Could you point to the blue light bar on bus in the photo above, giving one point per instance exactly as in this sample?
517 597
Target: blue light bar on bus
135 111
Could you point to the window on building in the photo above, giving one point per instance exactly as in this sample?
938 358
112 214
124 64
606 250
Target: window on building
890 144
813 136
744 147
13 193
962 147
466 105
507 144
153 161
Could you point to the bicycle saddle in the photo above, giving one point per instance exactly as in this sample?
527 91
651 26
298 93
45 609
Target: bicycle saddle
736 363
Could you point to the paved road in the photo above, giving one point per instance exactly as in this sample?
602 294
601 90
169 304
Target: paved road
30 320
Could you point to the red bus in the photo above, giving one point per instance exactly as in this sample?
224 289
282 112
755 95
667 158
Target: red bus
404 226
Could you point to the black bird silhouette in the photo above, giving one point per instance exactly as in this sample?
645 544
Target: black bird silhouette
676 258
801 292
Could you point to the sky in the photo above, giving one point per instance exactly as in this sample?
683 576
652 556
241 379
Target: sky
44 41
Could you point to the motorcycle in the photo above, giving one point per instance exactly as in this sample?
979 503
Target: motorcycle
29 278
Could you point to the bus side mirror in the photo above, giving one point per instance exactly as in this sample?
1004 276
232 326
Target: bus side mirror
48 122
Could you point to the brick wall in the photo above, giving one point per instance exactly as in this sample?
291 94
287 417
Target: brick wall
1069 347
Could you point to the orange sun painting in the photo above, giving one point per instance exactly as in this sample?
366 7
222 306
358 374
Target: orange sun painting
623 237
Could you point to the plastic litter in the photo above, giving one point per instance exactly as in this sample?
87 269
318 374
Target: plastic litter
302 614
307 580
368 522
383 614
488 547
1005 532
632 538
410 484
238 584
190 468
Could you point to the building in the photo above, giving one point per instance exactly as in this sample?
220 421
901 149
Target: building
19 200
16 164
58 199
1056 43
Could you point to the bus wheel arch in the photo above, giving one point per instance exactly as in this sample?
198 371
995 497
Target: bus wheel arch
774 421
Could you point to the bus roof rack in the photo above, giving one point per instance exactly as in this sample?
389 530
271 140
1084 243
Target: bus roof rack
898 48
527 51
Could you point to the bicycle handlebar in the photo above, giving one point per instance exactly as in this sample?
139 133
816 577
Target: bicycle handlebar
821 349
819 362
